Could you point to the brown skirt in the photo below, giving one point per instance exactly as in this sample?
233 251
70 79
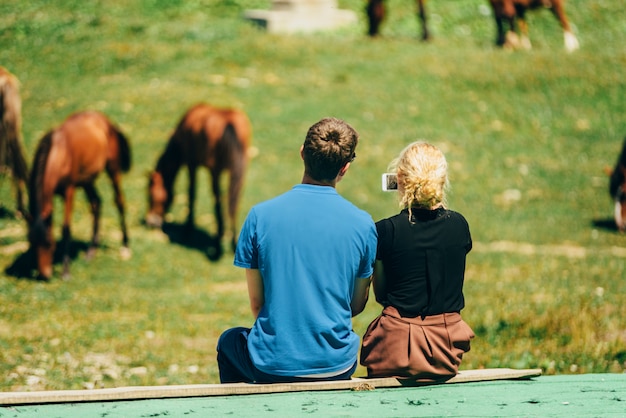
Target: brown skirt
424 350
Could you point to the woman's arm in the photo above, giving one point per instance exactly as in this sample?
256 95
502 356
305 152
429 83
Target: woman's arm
255 290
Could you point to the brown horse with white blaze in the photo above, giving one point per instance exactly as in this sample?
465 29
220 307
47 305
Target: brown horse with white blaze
68 157
513 14
206 136
12 158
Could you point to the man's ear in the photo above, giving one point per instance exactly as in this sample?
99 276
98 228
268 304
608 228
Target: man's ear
302 152
343 170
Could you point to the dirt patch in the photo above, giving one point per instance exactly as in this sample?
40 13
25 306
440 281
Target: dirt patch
563 250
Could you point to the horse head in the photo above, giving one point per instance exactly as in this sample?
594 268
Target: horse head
39 214
161 183
159 200
160 197
42 244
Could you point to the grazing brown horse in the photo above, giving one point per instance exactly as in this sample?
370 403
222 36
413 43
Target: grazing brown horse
68 157
376 11
11 151
513 13
617 189
215 138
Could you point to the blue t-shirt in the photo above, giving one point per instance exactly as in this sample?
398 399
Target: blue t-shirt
310 245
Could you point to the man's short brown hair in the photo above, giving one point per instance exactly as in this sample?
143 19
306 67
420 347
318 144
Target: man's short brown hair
328 146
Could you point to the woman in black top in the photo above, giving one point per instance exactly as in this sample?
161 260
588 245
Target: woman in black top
419 277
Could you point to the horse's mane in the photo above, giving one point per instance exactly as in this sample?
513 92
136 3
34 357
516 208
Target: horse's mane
171 159
35 182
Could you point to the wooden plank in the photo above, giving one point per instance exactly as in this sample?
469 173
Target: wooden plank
202 390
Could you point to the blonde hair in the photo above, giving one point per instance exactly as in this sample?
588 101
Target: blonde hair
422 176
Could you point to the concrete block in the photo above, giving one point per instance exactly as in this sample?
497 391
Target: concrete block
301 16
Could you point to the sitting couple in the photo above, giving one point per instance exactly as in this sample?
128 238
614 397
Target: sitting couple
310 256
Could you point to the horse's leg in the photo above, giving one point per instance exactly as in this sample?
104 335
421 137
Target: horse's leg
524 41
234 191
20 187
571 43
421 7
500 32
620 203
95 204
622 226
618 214
509 15
192 197
375 10
119 203
66 234
217 195
498 8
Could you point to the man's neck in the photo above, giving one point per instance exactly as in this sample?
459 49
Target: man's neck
306 179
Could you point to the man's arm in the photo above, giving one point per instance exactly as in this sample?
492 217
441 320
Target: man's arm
255 290
360 295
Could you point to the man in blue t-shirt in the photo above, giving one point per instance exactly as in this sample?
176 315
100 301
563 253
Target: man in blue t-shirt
309 256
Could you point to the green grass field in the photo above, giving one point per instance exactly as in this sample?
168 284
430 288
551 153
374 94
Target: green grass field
527 135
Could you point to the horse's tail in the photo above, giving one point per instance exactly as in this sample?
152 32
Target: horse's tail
232 143
11 149
35 180
124 148
235 151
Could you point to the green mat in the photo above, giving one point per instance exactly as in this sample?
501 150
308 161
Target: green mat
590 395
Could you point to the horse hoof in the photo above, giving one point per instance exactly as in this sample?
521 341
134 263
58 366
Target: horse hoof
125 253
571 43
215 253
43 278
90 253
153 221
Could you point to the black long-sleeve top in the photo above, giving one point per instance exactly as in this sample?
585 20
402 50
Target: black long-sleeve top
423 261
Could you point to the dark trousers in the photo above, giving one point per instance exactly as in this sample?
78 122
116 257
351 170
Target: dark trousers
235 365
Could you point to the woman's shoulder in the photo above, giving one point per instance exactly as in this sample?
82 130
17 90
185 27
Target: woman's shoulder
385 226
391 219
455 215
456 221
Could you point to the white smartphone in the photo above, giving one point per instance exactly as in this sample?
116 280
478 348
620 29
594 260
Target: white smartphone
390 182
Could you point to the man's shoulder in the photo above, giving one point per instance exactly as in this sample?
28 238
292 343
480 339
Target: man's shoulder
356 211
273 201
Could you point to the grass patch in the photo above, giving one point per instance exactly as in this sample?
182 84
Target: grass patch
527 136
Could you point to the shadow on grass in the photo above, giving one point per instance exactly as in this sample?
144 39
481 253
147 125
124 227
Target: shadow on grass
25 265
6 213
194 238
606 224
